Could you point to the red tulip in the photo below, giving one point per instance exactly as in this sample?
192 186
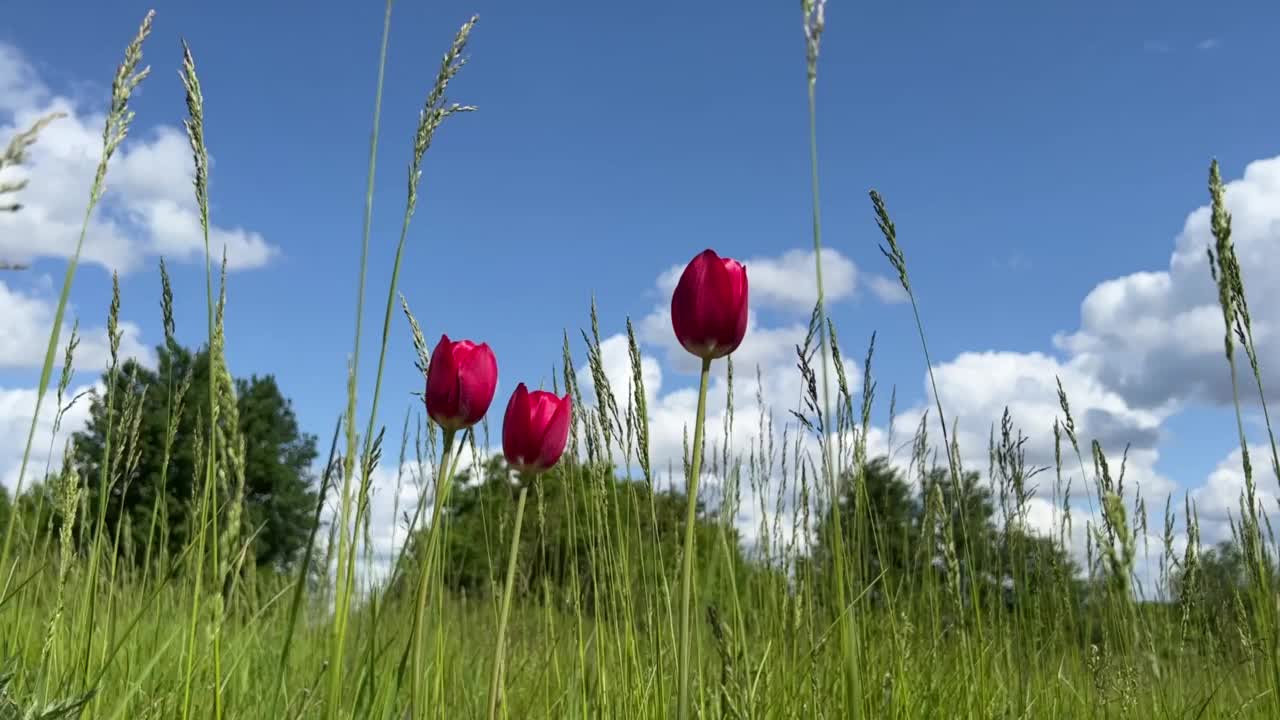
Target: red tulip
709 306
461 378
535 429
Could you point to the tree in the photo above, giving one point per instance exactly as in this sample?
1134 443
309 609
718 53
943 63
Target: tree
587 533
23 509
279 494
1038 566
279 487
1220 589
967 517
949 522
891 513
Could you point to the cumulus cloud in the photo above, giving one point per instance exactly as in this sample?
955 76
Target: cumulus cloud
393 500
1218 499
1149 346
394 495
1156 337
148 209
20 87
783 284
615 358
786 282
977 388
766 384
16 406
887 290
25 321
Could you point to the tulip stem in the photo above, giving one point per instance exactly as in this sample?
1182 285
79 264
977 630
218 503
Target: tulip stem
444 482
695 466
495 684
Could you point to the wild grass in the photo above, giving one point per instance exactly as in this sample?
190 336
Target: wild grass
837 611
15 155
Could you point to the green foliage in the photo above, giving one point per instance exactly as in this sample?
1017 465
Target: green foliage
587 534
32 511
892 516
1221 593
279 493
898 540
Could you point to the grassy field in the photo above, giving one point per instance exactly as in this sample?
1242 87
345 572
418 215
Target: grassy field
785 634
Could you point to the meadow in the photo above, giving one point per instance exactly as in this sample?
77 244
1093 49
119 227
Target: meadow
596 585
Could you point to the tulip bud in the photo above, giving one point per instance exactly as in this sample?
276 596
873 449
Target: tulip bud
709 306
535 429
461 378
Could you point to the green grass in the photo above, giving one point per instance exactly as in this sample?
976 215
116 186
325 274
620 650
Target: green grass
201 634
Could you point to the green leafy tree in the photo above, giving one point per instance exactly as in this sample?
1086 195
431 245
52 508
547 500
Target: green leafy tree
889 519
903 538
1035 566
279 488
1220 591
969 517
30 510
586 532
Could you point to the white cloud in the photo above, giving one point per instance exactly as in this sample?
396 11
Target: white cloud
1163 47
16 406
1156 337
787 282
761 347
1149 345
25 322
976 388
20 87
148 210
764 368
393 500
1218 500
616 360
887 290
394 494
149 207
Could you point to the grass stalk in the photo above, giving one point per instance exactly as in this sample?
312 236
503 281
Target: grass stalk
127 79
347 525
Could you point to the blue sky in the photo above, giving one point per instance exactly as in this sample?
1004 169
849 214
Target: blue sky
1028 152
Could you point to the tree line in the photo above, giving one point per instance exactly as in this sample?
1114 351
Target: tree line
896 538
